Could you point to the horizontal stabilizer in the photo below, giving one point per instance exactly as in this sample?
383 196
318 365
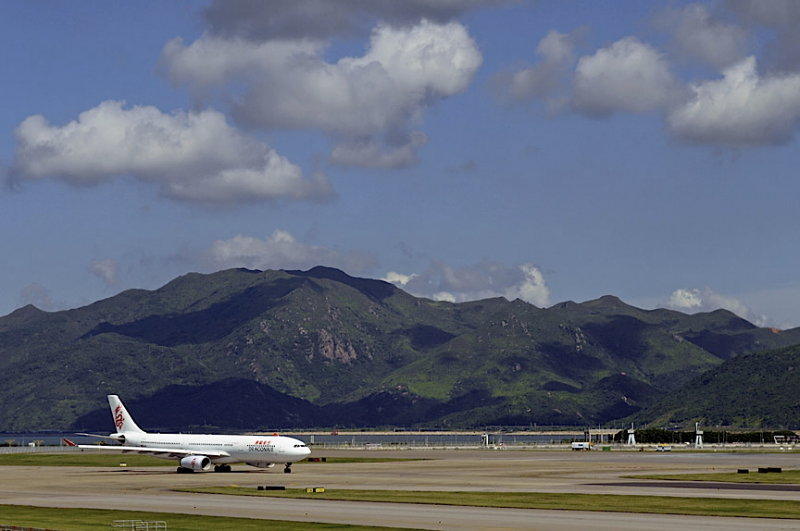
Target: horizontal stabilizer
114 436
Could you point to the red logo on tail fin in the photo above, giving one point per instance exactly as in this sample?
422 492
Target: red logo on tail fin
119 420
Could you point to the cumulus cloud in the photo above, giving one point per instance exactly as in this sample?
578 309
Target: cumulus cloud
281 251
445 283
324 19
398 279
779 17
532 288
744 108
212 61
627 76
770 13
693 300
193 156
740 110
698 35
368 105
539 81
107 270
367 153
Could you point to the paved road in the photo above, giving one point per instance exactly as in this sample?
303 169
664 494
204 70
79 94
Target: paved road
402 515
595 472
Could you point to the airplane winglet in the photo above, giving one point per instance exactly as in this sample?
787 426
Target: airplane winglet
68 442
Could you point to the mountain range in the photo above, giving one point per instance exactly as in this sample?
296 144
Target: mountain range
246 349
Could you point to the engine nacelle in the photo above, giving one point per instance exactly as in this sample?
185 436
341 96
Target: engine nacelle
260 464
196 462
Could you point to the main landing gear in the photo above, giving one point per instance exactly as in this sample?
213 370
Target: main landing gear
222 468
287 469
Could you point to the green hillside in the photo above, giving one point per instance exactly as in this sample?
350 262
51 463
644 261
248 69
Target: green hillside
322 348
759 389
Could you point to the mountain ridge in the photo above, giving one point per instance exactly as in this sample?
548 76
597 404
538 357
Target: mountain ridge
359 351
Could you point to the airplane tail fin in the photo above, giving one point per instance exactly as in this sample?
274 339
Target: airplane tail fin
122 419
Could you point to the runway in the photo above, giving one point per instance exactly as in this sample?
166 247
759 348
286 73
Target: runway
508 470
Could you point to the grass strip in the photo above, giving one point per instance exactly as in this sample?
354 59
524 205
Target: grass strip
541 500
787 477
88 458
100 520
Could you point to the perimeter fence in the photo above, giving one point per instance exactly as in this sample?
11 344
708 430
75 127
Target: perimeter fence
139 525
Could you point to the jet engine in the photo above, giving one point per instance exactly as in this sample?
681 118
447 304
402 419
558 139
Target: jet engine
196 462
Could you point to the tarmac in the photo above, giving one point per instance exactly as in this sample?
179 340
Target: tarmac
595 472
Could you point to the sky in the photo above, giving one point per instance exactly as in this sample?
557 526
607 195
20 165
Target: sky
547 150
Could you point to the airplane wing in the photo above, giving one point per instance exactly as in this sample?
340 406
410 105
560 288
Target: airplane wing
157 452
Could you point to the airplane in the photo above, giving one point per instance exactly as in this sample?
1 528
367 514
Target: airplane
198 452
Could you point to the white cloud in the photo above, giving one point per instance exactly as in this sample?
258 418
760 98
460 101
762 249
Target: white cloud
685 299
444 296
442 282
367 153
740 110
368 105
212 61
706 300
398 279
323 19
767 13
107 270
628 76
532 288
780 19
697 34
193 156
541 79
280 251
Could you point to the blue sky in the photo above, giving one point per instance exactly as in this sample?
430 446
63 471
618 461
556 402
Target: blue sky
547 150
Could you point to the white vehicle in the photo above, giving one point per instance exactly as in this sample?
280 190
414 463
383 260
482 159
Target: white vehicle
199 452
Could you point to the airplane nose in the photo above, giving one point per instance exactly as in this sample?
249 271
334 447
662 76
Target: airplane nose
300 450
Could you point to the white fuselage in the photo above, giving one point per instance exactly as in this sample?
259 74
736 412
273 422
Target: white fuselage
259 450
198 452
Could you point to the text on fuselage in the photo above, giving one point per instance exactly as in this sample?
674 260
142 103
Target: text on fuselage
261 446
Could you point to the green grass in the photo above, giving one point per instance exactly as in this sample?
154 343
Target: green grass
787 477
89 458
541 500
100 520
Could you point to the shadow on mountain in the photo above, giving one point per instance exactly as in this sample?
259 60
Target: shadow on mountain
377 289
226 404
210 324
